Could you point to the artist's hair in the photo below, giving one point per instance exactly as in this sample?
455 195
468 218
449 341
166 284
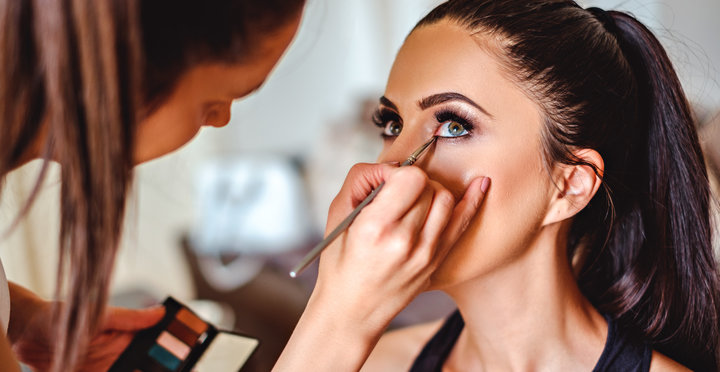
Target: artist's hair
86 71
642 247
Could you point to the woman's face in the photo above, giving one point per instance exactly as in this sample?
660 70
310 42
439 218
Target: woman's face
203 96
446 82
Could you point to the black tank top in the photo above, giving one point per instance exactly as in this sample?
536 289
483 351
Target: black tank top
621 353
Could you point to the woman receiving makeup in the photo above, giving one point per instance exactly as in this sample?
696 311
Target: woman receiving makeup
100 86
592 250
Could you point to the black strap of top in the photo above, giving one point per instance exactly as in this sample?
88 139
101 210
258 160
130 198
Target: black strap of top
622 352
433 355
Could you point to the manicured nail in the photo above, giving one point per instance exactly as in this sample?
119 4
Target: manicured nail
485 185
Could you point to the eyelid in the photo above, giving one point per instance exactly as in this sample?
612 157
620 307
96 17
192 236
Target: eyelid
445 115
382 115
450 114
442 128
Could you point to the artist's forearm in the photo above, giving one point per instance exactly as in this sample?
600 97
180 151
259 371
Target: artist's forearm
7 359
24 306
328 340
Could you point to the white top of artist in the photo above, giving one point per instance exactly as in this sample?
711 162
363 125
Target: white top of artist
4 301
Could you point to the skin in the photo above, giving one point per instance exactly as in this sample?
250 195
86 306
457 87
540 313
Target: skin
204 94
508 273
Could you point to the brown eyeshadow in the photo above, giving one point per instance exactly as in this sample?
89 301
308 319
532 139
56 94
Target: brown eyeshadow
182 332
191 320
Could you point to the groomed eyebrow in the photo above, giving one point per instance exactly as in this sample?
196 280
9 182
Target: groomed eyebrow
440 98
386 102
437 99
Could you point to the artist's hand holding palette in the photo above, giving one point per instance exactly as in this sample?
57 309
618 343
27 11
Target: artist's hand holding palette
182 342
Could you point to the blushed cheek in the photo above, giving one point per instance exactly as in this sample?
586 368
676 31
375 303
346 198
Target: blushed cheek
509 216
456 167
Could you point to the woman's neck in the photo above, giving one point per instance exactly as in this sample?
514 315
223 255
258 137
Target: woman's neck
528 315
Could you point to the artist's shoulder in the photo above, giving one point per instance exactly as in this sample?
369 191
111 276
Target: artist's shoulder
661 363
397 349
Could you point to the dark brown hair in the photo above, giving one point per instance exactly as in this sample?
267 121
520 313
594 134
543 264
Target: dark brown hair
84 72
642 248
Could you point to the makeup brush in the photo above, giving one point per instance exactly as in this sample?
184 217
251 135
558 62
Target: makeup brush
315 252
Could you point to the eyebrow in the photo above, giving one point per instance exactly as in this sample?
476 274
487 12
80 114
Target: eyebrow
386 102
437 99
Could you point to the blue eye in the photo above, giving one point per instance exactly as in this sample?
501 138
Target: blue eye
451 128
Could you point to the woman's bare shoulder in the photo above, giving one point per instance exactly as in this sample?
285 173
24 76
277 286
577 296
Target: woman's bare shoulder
661 363
397 349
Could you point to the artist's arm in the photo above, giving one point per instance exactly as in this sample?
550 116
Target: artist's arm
24 307
378 266
7 359
31 331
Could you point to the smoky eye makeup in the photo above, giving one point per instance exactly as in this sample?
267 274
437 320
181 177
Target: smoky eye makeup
389 121
453 124
183 342
451 121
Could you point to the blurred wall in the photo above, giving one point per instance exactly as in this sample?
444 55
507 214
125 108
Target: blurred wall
689 31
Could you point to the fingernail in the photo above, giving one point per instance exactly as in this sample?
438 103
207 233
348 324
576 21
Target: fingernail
485 185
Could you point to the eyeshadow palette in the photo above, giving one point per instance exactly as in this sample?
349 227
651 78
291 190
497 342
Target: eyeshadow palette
183 342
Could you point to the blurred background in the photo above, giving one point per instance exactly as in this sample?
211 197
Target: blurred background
219 223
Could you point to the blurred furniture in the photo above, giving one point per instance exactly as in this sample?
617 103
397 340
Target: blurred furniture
267 307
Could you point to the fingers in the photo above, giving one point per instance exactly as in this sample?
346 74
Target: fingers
402 188
400 196
463 213
361 180
412 223
436 222
415 215
122 319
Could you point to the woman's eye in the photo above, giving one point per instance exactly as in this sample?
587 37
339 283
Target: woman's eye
392 128
451 128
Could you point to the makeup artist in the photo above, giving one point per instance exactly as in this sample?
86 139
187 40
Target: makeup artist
100 86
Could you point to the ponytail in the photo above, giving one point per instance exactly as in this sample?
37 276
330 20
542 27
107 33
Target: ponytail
667 287
641 248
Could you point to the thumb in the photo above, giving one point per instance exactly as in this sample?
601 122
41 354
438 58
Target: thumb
123 319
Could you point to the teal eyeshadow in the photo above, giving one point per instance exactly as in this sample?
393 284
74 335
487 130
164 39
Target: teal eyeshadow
164 357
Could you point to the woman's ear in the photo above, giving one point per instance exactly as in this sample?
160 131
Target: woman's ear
576 186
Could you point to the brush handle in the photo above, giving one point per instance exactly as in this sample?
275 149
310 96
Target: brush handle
315 252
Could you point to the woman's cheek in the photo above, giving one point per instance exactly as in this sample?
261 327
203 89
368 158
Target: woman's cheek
455 167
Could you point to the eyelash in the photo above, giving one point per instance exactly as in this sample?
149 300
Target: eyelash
382 116
450 115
